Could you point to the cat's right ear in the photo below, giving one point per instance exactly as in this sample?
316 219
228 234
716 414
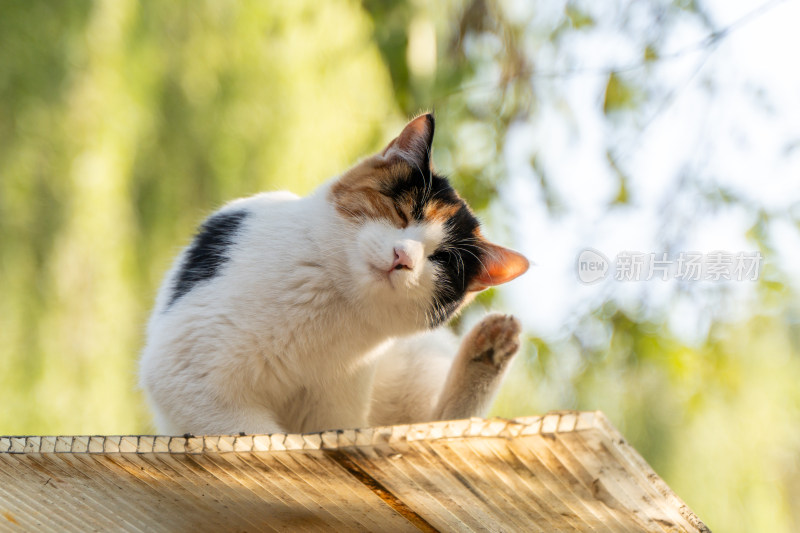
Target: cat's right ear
413 145
499 265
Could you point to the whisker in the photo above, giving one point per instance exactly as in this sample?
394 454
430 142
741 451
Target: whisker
477 259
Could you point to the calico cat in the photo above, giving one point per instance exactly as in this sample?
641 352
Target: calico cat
290 314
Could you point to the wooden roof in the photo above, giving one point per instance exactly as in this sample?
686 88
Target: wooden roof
569 471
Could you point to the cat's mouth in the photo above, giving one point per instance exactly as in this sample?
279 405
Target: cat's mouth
384 274
380 273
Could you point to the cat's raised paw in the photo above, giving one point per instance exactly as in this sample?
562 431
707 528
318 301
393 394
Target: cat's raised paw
495 340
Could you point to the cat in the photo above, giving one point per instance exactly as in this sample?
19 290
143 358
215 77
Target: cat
294 315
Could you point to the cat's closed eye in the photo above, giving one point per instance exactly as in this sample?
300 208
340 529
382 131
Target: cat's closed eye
440 256
402 215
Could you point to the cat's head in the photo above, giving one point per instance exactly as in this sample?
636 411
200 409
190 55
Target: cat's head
418 252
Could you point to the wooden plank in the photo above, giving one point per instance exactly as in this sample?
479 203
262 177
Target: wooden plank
561 484
494 484
564 471
613 485
645 475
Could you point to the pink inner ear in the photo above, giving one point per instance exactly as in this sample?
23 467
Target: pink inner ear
414 142
500 265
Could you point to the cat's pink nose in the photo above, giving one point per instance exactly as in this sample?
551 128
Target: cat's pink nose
402 260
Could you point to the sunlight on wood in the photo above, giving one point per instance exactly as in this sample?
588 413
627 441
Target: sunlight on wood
566 471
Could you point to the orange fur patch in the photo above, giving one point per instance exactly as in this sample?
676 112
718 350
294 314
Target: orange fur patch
439 211
358 195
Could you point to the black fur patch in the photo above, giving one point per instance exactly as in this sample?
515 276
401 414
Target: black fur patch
208 252
422 188
459 256
459 259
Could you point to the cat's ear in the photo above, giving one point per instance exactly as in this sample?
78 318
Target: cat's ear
414 143
500 265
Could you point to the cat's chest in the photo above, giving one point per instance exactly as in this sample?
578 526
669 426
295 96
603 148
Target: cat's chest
341 402
306 340
316 383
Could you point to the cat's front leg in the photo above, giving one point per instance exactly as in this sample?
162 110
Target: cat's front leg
478 369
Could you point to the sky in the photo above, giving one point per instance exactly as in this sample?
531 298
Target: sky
723 117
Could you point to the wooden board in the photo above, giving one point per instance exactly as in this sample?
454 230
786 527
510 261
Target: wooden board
568 471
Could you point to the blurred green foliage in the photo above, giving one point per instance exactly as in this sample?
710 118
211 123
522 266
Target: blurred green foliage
619 94
122 124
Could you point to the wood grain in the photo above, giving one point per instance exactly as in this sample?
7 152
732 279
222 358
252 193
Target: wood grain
565 471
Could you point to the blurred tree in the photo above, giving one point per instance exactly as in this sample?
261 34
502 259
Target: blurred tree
121 125
527 88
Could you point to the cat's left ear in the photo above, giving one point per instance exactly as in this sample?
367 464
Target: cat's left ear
414 143
500 265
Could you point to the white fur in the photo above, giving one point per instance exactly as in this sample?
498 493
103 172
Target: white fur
291 334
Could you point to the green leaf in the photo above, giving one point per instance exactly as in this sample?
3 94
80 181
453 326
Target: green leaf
577 18
620 95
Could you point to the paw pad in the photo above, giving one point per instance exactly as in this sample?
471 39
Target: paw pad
495 339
